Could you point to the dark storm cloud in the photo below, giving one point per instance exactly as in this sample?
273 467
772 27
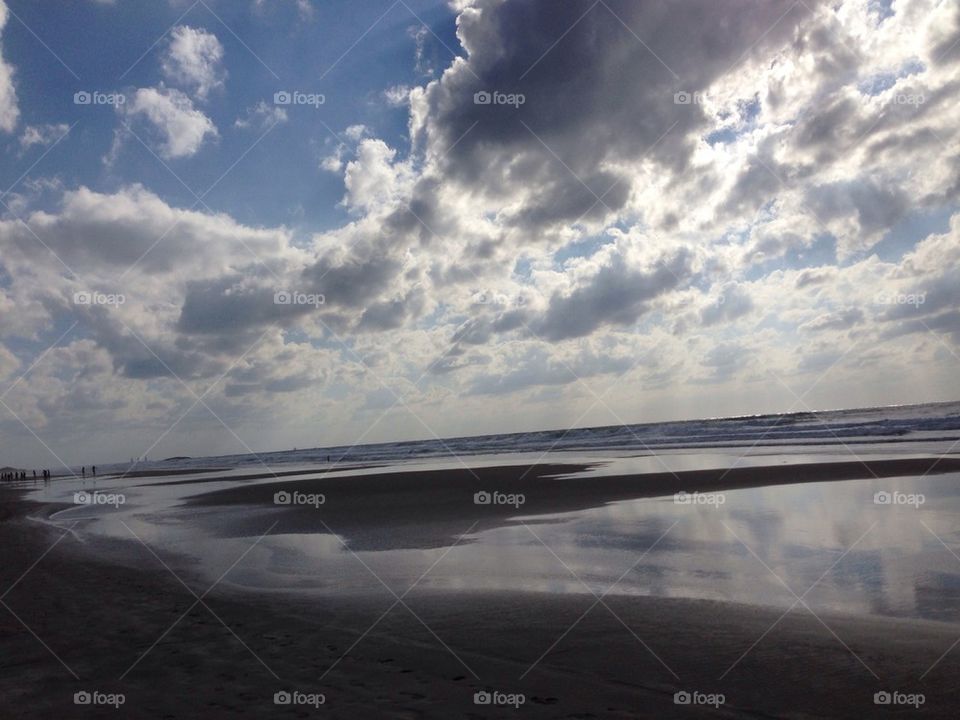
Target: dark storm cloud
827 131
875 206
354 281
603 94
561 200
391 314
139 357
383 316
224 306
616 295
761 178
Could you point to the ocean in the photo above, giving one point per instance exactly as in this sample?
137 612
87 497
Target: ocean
930 422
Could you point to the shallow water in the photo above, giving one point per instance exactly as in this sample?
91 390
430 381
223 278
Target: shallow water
829 544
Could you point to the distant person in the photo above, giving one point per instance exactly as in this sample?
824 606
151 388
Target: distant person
83 471
94 470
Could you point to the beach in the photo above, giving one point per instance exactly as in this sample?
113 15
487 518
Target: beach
95 612
441 359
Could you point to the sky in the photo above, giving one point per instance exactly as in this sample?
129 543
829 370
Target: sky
246 225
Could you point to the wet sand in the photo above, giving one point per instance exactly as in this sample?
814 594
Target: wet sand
428 655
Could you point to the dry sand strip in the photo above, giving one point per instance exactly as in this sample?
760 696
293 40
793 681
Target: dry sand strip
430 508
99 618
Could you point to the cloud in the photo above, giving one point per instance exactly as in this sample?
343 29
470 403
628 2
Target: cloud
183 275
43 134
564 152
8 363
182 128
537 367
304 7
353 281
231 304
334 162
724 361
946 36
616 293
194 59
734 301
9 110
838 320
262 116
862 209
397 95
814 276
601 227
374 179
107 233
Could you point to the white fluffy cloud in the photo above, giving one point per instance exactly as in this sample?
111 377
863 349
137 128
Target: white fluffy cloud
181 127
194 58
9 111
374 179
